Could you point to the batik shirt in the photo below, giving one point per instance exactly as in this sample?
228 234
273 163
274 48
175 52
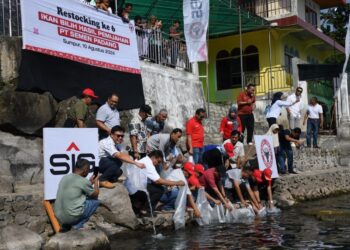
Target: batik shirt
138 128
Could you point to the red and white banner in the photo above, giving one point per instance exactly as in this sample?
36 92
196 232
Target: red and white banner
196 20
78 32
63 147
266 153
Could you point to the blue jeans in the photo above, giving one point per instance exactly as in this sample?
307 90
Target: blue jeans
312 130
89 209
169 198
283 153
198 155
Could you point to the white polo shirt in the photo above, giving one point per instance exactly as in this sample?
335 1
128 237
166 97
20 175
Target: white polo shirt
276 108
314 111
296 108
107 147
148 172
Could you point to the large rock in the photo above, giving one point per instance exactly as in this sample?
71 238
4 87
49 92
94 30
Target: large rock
20 161
24 112
78 239
10 54
117 207
19 238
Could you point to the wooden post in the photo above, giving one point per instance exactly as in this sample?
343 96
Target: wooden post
54 222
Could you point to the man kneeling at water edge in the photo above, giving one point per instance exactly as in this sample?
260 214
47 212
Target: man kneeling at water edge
111 157
72 208
155 189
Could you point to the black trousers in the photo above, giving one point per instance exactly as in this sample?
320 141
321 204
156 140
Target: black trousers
139 201
248 122
69 123
110 169
271 120
155 192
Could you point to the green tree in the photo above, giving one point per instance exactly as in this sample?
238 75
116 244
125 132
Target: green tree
333 22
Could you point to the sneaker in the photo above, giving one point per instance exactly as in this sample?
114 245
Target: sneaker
106 184
293 172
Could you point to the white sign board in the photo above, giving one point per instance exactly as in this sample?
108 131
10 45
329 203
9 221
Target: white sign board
72 30
266 154
62 148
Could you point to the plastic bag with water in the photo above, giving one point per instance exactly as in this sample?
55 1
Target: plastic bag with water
204 207
218 214
245 213
181 199
262 212
180 209
274 210
135 176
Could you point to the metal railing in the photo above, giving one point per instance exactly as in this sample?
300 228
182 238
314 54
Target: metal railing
281 80
10 18
158 47
267 8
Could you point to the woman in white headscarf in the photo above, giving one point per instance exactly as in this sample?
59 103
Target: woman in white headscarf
273 131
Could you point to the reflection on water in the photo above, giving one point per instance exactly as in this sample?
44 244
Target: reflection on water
295 228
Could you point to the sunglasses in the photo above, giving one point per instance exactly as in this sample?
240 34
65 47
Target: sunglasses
119 136
300 91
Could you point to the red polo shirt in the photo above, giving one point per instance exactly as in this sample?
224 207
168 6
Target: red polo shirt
245 109
195 129
209 179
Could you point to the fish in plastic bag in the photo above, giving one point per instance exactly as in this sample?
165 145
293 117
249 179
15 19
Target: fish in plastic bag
181 199
274 210
262 212
245 213
217 214
180 209
204 207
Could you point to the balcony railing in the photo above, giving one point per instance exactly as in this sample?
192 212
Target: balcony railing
281 80
267 8
10 18
157 47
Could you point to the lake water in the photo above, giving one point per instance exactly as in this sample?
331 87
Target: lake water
295 228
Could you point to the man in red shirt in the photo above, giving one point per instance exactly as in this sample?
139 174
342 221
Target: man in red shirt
210 180
195 135
246 105
262 181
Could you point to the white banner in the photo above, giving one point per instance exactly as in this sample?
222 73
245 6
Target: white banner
72 30
62 148
266 154
196 20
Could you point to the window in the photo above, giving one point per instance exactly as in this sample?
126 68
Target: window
251 65
311 16
228 67
223 69
289 53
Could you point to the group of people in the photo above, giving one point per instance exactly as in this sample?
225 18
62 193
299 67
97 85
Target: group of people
224 171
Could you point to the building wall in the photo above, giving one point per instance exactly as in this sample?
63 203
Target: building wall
281 80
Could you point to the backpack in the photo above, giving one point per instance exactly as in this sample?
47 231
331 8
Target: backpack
267 109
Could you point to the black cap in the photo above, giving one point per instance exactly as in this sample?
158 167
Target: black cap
147 109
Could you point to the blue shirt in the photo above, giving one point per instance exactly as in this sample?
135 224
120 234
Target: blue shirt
153 126
110 117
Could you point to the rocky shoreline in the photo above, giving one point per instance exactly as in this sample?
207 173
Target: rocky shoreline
21 197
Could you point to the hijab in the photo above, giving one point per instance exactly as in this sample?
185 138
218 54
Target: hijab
233 119
275 140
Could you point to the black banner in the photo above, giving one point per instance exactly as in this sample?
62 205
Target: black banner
65 78
318 71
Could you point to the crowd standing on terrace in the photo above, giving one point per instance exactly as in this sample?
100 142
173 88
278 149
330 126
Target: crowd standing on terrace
166 47
228 174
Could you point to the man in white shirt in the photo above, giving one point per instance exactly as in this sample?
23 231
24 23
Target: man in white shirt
314 117
234 149
107 116
294 111
111 159
138 195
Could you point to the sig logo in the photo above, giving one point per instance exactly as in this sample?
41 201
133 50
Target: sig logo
61 164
